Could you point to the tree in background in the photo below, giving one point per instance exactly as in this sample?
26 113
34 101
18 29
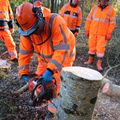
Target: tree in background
55 5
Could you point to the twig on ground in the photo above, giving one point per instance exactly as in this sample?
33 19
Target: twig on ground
110 68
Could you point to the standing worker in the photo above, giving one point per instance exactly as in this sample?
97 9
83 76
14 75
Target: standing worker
46 34
72 14
6 28
99 26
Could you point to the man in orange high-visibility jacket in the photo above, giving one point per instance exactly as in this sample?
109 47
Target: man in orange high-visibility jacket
99 26
72 14
46 34
6 28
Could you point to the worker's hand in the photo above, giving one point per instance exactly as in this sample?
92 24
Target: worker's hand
47 77
76 34
87 34
26 78
108 37
11 30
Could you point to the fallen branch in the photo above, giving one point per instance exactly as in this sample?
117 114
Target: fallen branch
109 70
21 90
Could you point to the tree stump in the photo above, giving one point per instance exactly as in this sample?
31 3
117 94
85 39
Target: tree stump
107 106
4 68
79 89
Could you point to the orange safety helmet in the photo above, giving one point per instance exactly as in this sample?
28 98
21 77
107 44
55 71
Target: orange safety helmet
28 18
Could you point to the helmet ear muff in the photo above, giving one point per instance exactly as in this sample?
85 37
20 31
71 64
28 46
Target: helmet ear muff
38 13
16 22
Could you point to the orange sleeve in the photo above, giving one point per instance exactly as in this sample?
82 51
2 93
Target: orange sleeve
11 17
25 52
89 19
79 20
112 22
61 45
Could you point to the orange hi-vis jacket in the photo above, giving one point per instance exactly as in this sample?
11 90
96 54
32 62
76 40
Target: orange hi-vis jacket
6 27
57 51
72 16
100 22
6 15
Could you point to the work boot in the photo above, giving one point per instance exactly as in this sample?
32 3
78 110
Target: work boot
90 60
99 65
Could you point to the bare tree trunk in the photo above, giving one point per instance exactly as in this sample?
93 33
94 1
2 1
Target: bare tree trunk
52 5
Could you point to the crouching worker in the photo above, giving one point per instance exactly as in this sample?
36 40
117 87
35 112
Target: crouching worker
47 35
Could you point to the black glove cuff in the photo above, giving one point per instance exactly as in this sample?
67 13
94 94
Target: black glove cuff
10 24
50 70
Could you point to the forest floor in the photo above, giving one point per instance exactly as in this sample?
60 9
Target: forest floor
16 107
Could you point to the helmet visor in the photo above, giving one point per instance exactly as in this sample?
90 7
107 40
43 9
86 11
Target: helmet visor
31 30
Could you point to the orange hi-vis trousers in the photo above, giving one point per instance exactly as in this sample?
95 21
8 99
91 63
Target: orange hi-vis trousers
6 37
97 44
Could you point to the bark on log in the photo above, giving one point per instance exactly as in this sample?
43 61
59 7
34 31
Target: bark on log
107 106
79 89
4 68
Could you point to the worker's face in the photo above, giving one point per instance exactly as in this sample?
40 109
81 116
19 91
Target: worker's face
74 2
103 2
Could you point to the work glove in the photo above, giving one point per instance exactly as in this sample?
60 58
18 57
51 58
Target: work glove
46 77
26 78
108 37
11 26
87 34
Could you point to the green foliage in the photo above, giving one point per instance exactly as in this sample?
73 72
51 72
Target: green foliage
15 3
55 5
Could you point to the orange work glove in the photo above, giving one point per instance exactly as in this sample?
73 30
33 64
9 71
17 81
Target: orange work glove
87 34
76 34
11 30
108 37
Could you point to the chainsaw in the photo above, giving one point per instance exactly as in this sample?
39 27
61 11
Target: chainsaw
41 93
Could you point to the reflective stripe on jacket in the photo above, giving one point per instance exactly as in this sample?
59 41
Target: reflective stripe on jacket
56 52
101 22
72 16
6 15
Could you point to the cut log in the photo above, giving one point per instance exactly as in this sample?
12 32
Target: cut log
79 89
4 68
111 89
107 106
